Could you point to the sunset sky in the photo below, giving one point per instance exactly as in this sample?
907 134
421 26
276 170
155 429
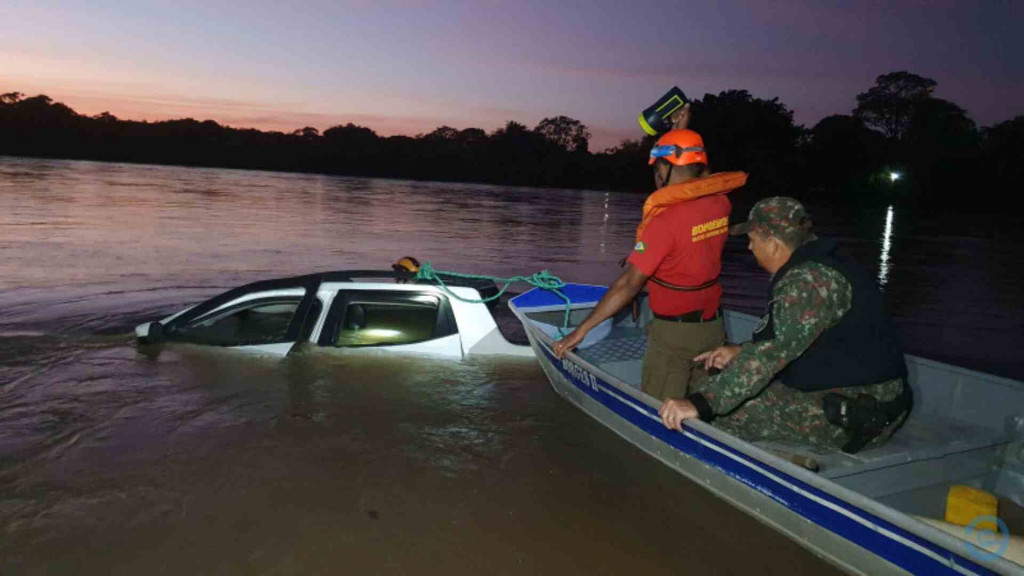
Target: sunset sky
407 68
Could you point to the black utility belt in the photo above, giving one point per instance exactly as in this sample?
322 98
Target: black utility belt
864 417
695 317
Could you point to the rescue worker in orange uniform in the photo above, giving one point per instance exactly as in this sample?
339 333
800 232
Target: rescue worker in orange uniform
678 256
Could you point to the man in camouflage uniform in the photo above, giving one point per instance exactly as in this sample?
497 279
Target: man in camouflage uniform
808 345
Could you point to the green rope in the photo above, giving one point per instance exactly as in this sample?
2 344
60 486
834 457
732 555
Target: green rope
543 279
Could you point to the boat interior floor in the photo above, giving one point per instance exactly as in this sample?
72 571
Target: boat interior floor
620 353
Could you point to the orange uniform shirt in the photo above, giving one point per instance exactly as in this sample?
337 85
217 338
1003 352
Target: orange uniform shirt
683 246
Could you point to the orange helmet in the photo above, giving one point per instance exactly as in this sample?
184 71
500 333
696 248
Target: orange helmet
680 147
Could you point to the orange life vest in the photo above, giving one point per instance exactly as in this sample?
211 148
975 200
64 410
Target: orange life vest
657 202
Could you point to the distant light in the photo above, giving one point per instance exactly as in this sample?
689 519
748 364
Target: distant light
894 176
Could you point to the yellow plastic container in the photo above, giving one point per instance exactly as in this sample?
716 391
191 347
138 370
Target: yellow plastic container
965 504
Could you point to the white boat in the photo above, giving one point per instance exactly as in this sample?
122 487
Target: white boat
346 310
868 513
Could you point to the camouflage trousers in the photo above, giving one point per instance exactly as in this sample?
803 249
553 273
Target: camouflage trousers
782 413
669 371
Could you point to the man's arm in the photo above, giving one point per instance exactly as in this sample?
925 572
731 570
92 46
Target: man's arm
620 293
808 300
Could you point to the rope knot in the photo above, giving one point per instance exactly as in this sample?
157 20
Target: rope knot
426 272
543 279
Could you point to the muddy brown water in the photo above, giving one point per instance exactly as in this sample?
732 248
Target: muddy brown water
211 462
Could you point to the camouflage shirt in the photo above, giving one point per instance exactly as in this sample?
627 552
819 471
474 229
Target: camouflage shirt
810 298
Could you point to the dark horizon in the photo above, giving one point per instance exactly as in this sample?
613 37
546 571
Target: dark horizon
899 127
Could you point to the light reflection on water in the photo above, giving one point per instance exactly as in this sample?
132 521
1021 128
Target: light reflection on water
883 257
204 462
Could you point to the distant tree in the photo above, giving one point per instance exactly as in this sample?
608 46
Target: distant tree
1003 152
756 135
309 133
941 146
435 155
889 105
634 149
352 149
625 166
37 101
443 133
567 133
46 112
472 142
940 149
516 139
840 149
940 125
350 133
512 129
515 155
473 135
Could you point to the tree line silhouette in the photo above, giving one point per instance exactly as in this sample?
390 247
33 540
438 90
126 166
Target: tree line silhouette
898 126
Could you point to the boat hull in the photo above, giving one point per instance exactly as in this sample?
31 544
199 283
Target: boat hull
854 533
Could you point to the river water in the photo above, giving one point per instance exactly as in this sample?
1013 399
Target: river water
205 462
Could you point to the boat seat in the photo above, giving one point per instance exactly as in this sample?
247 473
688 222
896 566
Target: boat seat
924 451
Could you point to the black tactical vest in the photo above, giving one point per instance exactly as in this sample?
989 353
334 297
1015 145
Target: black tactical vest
863 348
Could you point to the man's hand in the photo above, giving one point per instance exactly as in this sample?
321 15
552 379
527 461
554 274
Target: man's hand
681 118
674 411
619 294
719 357
566 344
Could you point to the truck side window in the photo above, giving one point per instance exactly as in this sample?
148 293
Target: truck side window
385 321
263 321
